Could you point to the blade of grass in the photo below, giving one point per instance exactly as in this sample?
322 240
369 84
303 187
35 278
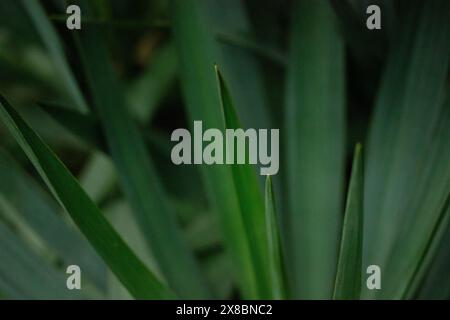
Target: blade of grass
348 275
54 47
314 140
275 250
135 168
249 196
197 54
128 268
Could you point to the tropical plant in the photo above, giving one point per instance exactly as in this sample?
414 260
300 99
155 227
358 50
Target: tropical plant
92 111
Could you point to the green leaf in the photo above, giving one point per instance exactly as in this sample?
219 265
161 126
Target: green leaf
428 251
238 65
407 180
121 218
348 275
26 275
197 53
275 250
315 144
249 197
43 216
127 267
438 274
135 168
54 47
432 219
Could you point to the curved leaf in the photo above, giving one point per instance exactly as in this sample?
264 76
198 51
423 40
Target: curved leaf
123 262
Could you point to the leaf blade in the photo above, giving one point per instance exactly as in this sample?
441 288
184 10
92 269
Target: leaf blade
139 281
315 144
249 196
275 256
197 53
348 274
405 123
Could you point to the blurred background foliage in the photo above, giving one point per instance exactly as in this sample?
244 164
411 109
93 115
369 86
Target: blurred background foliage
310 68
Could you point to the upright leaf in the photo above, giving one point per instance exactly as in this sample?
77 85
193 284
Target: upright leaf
314 142
249 196
197 54
275 252
407 160
348 276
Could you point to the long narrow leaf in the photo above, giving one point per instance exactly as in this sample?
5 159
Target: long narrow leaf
275 253
314 141
197 54
407 178
249 196
348 276
128 268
